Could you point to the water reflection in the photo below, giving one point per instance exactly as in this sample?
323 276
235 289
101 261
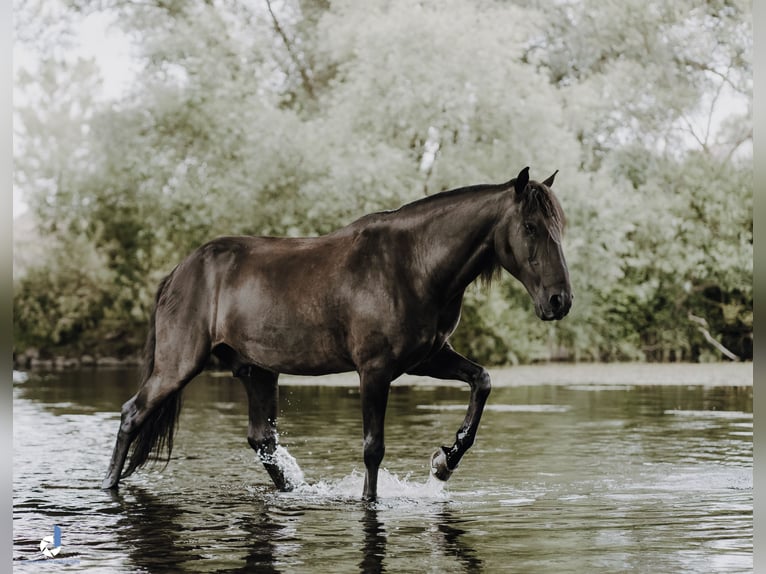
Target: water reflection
374 547
455 543
152 530
260 531
590 478
443 533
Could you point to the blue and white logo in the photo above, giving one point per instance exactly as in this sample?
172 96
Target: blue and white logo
50 546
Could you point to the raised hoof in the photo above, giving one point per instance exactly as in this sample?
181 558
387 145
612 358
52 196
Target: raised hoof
439 466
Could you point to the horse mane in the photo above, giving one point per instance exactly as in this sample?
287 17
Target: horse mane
449 195
491 272
538 198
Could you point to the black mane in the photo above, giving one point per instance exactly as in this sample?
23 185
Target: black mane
539 198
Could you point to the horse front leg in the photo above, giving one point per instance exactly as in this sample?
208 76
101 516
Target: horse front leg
374 389
448 364
263 407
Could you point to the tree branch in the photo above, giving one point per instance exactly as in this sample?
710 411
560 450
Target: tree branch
308 85
702 327
702 67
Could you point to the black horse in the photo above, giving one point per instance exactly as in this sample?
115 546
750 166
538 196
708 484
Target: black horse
381 296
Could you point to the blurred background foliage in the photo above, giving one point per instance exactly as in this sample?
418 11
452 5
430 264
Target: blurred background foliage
294 117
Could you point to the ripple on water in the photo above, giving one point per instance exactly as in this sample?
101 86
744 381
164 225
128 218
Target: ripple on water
612 486
502 408
709 414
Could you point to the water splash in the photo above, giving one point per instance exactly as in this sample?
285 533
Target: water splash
290 468
391 486
392 490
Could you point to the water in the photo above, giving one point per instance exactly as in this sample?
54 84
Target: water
563 478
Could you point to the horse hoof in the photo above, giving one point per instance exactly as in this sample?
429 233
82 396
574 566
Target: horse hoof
108 484
439 466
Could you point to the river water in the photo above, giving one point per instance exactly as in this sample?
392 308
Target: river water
583 478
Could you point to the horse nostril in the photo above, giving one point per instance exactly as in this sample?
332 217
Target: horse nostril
556 302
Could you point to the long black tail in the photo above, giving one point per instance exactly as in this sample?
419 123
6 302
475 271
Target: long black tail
156 433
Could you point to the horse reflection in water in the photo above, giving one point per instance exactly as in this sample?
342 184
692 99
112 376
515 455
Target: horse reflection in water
380 296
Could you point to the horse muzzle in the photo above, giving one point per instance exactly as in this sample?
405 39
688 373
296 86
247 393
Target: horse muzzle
555 306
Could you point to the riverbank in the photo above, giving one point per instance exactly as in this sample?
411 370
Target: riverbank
596 374
601 374
31 361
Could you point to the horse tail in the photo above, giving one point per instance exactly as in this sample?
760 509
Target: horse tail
156 433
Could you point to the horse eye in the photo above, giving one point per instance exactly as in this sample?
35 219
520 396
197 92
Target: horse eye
530 229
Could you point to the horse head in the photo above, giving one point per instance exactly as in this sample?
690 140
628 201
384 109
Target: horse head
528 245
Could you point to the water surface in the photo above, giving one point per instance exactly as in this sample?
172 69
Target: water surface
563 478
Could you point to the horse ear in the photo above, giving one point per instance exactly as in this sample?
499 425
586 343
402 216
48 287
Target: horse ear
549 182
521 181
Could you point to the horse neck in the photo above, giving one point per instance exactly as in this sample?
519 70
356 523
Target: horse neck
453 240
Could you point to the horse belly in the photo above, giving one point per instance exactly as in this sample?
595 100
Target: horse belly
281 338
298 351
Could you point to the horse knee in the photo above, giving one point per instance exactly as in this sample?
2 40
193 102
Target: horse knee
482 384
374 450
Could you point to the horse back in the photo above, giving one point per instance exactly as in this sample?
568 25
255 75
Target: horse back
306 305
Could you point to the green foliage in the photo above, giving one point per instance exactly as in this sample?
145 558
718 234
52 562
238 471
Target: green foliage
73 302
499 327
294 118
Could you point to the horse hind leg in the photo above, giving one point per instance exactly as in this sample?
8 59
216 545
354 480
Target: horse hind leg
178 345
149 418
125 436
155 405
263 406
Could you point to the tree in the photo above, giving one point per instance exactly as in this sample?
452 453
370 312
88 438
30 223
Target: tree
296 117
